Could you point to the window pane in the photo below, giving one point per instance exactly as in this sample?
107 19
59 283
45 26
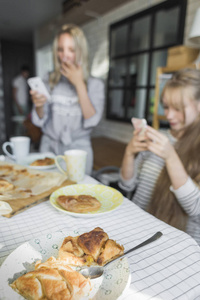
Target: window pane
117 105
119 40
159 59
166 27
139 69
137 102
117 72
140 37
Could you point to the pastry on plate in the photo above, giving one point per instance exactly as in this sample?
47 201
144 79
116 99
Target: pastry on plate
78 203
52 280
47 161
91 248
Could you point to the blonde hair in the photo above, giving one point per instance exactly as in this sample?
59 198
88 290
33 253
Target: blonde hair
164 204
81 52
184 79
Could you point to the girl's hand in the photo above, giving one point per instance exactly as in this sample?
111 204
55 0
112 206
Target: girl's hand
72 72
38 99
137 144
158 143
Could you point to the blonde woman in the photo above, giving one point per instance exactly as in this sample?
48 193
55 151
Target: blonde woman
77 100
164 168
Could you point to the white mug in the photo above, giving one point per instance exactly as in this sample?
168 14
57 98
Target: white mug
75 161
20 146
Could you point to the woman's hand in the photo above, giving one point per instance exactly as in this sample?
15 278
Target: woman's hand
137 144
159 144
38 99
72 72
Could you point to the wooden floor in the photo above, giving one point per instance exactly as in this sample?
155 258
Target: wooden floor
107 152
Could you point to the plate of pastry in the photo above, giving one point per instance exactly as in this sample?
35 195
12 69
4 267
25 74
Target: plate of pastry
86 200
47 268
39 161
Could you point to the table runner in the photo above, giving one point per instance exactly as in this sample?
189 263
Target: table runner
166 269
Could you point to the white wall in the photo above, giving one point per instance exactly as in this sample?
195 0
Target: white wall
97 36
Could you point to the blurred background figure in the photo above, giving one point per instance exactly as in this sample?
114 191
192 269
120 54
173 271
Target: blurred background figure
77 99
20 99
20 92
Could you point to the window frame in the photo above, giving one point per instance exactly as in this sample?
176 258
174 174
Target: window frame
169 4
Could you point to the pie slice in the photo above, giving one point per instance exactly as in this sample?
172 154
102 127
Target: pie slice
90 248
71 252
110 251
92 242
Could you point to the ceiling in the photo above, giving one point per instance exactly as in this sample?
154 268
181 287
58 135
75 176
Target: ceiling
19 18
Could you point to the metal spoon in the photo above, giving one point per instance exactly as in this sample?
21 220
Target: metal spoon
97 271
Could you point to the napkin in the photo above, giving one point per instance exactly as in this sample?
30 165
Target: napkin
5 208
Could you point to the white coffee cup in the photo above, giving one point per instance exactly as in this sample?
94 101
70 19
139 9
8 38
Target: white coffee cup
75 161
20 146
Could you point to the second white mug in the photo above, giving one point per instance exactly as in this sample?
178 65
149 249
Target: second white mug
75 162
20 146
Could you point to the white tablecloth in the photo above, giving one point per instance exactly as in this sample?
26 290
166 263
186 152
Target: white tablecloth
166 269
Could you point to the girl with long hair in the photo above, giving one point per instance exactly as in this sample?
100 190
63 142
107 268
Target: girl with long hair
164 167
77 99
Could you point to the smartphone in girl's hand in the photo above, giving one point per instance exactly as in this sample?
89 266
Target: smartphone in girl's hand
139 123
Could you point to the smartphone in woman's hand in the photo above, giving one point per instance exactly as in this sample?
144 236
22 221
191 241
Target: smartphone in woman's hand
36 84
139 123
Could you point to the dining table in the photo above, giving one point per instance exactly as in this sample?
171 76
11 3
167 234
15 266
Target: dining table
168 268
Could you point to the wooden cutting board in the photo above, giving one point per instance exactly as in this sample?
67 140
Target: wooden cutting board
22 187
19 205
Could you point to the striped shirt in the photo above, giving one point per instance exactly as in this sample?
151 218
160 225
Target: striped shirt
148 167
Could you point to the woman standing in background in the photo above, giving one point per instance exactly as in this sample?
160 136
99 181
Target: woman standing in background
77 99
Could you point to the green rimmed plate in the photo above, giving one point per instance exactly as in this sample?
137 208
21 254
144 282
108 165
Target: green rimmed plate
109 197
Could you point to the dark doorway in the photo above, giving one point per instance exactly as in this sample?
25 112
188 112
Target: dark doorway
14 55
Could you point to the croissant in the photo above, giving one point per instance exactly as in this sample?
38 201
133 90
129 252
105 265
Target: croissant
93 247
52 280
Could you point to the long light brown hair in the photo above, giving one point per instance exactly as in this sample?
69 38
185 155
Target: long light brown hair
81 52
164 204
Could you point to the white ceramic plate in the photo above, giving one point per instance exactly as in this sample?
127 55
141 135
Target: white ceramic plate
109 197
34 156
110 286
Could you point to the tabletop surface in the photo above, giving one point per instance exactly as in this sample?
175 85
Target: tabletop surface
169 268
